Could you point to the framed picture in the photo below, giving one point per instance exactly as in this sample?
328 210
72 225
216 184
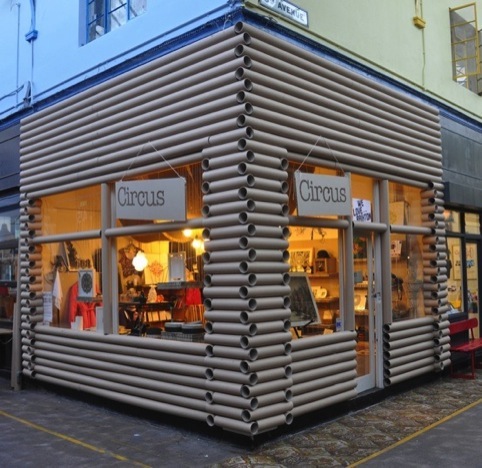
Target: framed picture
359 247
301 259
75 258
303 304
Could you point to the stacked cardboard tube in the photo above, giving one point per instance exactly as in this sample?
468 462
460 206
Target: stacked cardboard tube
435 273
247 289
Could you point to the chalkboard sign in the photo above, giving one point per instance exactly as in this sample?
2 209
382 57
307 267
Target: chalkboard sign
303 304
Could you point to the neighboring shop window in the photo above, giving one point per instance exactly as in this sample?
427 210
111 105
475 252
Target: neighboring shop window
463 275
9 230
106 15
452 220
455 283
465 47
406 253
472 223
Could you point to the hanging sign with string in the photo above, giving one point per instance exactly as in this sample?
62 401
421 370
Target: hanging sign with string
160 199
318 194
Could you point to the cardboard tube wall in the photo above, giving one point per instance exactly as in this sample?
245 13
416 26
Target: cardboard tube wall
231 400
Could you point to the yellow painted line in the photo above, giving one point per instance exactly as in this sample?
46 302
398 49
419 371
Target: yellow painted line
70 439
415 434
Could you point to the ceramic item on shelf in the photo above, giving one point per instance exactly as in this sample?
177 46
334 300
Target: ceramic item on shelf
323 293
152 295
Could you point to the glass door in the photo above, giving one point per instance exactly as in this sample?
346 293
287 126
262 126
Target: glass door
367 295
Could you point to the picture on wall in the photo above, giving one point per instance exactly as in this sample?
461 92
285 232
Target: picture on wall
301 259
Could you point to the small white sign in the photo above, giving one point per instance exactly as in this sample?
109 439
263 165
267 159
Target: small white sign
287 9
322 195
163 199
362 210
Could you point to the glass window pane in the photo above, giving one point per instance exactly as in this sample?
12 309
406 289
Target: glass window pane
454 272
137 7
117 14
405 205
407 276
472 223
452 220
472 279
71 212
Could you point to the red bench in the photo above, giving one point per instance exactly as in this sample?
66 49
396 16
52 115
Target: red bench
469 347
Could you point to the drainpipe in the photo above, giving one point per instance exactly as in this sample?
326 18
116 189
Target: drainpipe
31 36
420 23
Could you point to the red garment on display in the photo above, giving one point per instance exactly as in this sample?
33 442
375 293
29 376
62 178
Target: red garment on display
86 310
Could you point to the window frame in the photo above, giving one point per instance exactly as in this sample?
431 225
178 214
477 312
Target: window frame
106 10
466 78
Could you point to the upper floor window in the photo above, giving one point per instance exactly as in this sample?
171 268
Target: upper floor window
106 15
465 39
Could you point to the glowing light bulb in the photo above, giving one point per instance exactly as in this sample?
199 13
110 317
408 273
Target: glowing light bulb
140 261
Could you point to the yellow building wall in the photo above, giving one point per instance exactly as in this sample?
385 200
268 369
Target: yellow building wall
381 34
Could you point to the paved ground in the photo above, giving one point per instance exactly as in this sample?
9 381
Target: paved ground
437 424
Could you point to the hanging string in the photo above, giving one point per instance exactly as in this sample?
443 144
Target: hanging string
337 163
157 152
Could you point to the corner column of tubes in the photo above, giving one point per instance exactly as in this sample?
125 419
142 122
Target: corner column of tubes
246 287
31 299
435 273
414 347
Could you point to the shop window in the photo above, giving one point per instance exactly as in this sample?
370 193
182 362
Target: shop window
159 273
104 16
465 40
9 230
405 205
71 212
406 252
314 254
148 253
362 195
69 217
407 276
